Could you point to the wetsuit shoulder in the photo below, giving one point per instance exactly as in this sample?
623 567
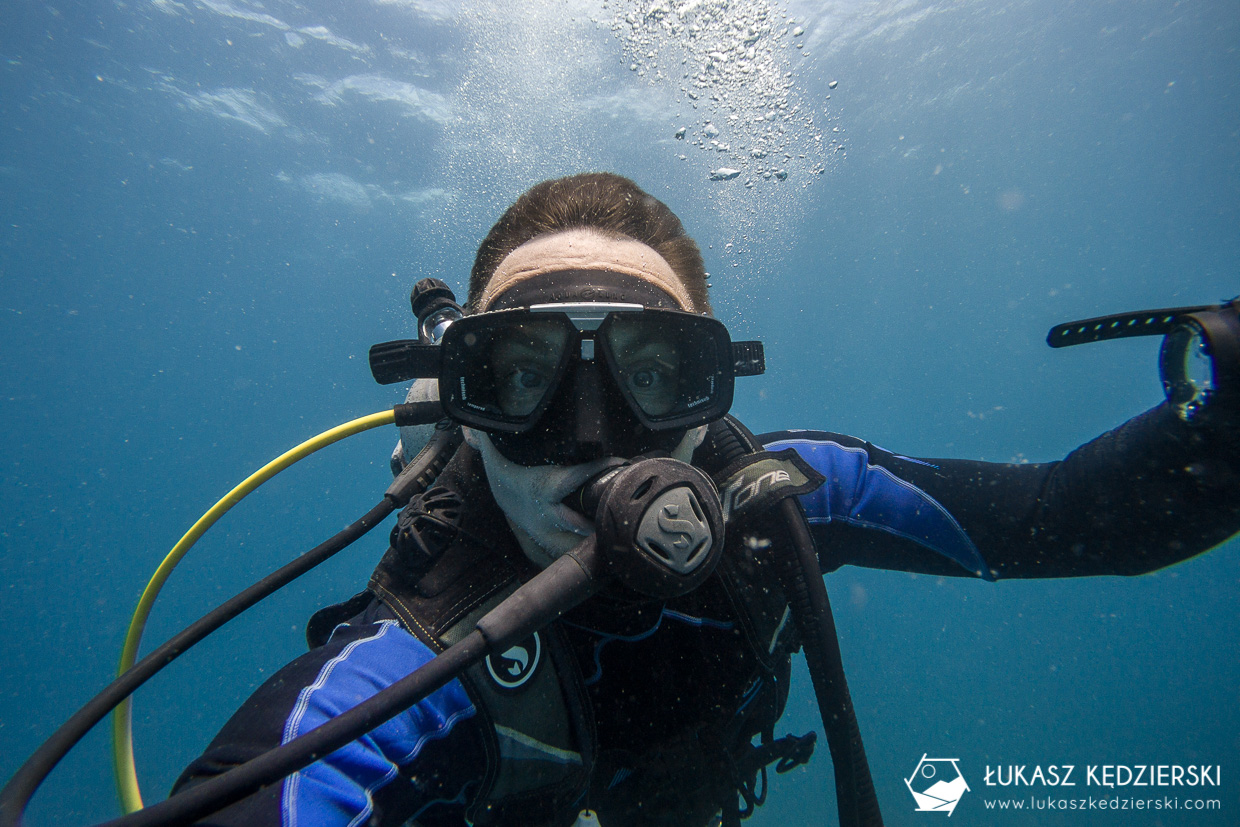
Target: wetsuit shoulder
425 759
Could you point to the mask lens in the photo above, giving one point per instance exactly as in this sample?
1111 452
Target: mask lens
669 366
501 372
525 362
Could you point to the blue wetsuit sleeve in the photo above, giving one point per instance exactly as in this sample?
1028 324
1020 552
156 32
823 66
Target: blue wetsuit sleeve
425 762
1143 496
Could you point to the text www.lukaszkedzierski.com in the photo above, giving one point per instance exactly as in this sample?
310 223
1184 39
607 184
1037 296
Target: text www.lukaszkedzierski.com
1111 803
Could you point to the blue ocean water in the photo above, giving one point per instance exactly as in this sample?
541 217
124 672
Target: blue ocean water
211 208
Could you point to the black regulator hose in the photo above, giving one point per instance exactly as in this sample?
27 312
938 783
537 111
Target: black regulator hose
16 795
854 785
564 584
620 549
811 611
629 546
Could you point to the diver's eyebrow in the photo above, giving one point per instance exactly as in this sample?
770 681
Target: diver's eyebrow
529 342
526 345
510 355
640 349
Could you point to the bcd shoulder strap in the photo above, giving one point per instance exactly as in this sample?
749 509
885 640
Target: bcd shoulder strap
757 481
749 488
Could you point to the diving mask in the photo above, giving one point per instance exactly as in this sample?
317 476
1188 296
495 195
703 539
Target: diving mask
565 383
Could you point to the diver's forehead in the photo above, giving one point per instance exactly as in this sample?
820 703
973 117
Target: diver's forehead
599 262
573 286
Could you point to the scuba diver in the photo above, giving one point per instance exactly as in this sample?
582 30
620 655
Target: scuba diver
589 340
586 356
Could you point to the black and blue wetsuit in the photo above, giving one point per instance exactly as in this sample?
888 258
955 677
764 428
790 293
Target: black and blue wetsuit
1141 497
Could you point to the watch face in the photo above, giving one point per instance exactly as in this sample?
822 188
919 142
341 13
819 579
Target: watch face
1188 373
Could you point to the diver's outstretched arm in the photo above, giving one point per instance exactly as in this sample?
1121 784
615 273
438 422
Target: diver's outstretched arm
1150 493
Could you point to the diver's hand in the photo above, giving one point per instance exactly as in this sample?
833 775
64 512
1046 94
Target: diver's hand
532 499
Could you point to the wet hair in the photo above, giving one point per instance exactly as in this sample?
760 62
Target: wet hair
600 201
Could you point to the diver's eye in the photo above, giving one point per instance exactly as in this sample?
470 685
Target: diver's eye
652 385
528 379
646 379
525 379
521 388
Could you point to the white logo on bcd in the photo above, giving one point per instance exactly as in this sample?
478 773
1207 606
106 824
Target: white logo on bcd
936 784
